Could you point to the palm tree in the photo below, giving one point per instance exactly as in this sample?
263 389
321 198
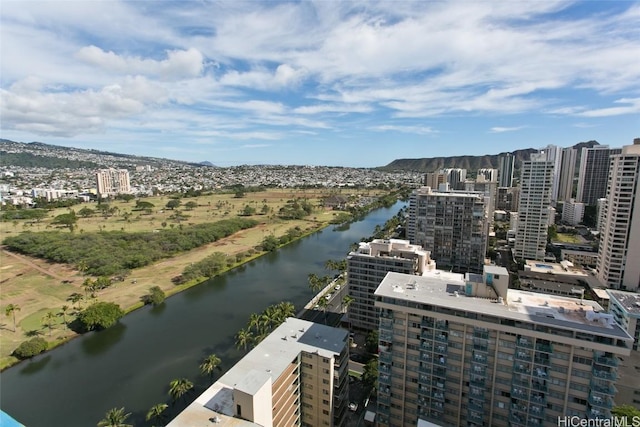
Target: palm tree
324 305
179 387
243 338
346 301
11 310
156 412
254 321
115 418
315 283
210 363
75 298
47 320
63 313
286 309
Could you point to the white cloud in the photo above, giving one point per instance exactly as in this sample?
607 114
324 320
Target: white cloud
420 130
500 129
179 63
632 107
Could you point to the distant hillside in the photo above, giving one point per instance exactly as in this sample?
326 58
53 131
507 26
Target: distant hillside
471 163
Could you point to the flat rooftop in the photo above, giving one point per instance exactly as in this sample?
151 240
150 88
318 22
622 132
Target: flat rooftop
628 300
270 358
556 311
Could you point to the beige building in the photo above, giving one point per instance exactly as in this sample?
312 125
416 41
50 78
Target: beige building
297 376
111 182
367 266
625 307
469 351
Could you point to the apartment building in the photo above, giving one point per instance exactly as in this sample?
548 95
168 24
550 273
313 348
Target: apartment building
533 208
594 173
488 188
488 174
625 307
111 182
619 249
296 376
457 350
505 170
507 198
572 212
367 266
567 173
452 226
553 155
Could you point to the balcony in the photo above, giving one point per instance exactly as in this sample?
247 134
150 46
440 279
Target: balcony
524 343
519 392
523 355
536 410
385 379
606 361
442 325
598 413
441 338
423 391
544 347
522 369
522 409
517 420
386 324
520 382
426 345
475 406
426 335
538 398
479 370
539 385
600 401
604 375
475 417
441 348
540 372
384 357
427 323
542 359
479 358
477 381
386 336
438 395
477 393
603 387
479 346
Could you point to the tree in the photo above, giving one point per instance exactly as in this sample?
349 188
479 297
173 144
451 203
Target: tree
68 220
75 298
191 205
248 210
10 310
270 243
179 387
315 283
371 342
370 373
157 412
209 365
48 319
115 418
347 300
63 314
30 348
86 212
156 296
324 305
173 203
627 413
100 315
265 209
243 338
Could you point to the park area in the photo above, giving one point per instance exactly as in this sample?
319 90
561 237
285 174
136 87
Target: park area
40 291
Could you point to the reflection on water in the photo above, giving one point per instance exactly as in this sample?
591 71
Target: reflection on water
98 342
35 364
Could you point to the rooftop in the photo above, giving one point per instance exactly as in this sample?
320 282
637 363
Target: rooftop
630 301
447 291
267 360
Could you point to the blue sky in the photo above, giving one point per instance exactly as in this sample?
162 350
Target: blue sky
351 83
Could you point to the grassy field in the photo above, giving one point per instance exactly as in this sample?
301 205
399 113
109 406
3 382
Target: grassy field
568 238
37 286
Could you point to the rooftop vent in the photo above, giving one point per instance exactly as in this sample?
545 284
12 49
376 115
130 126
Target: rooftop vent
500 300
456 294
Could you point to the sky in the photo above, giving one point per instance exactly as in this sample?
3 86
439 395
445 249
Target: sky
327 82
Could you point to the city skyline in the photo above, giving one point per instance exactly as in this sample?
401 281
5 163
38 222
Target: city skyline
320 83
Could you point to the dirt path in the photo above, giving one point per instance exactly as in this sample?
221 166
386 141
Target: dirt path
33 265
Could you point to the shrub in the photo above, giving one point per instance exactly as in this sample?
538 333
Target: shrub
100 315
30 348
156 296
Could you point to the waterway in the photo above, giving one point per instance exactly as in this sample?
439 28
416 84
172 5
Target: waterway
131 364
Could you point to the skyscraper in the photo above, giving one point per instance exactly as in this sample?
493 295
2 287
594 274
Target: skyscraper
619 251
452 226
594 173
533 207
469 351
554 155
111 182
567 173
367 266
488 174
505 170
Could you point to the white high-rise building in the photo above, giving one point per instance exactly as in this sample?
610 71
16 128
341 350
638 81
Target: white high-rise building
554 155
367 266
594 173
111 182
505 170
567 173
533 208
452 226
488 174
455 177
572 212
619 250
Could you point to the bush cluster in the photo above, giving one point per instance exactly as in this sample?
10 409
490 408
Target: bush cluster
30 348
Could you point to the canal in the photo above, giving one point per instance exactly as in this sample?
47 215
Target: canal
131 364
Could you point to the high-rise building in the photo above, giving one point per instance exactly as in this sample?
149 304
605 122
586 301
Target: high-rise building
455 177
296 376
594 173
488 174
111 182
468 351
435 179
572 212
507 199
452 226
625 307
505 170
533 208
567 174
367 266
619 248
554 155
488 189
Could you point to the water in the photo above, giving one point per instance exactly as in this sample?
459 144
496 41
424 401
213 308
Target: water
132 363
